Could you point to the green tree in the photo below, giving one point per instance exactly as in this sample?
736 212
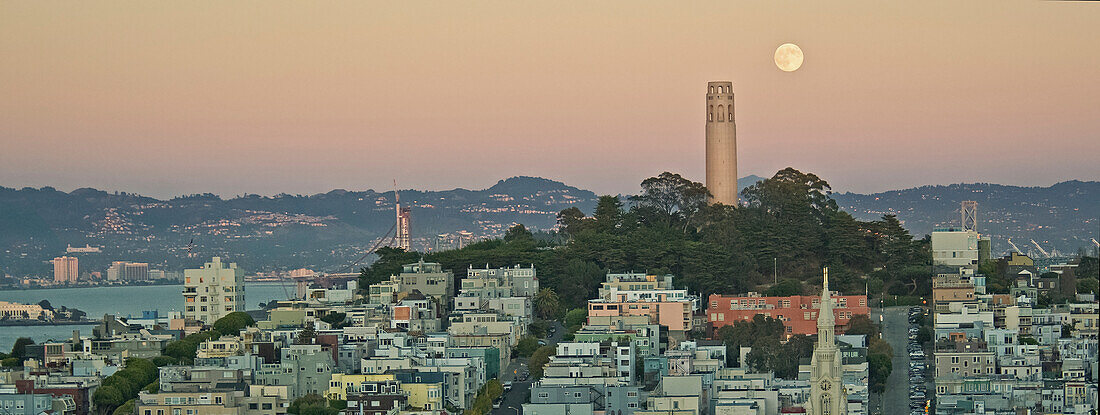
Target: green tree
609 214
1087 286
526 346
231 324
390 260
107 398
334 318
518 233
307 334
538 328
575 318
861 324
538 359
128 408
311 404
571 221
19 348
547 304
673 198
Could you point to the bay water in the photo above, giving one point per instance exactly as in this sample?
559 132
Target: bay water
121 301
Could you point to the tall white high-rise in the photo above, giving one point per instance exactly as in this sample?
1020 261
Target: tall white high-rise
213 291
66 269
721 144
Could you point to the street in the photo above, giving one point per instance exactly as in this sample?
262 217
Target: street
513 400
895 331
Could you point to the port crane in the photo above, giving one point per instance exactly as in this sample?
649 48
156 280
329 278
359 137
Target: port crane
1014 247
1045 253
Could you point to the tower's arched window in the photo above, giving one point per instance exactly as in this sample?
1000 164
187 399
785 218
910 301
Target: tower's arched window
721 110
710 113
712 89
731 113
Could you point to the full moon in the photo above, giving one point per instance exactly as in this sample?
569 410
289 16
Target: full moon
788 57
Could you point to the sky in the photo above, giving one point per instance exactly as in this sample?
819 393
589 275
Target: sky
169 98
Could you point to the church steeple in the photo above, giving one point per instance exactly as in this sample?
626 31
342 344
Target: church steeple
827 396
826 323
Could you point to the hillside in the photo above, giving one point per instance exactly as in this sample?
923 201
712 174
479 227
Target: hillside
1062 216
327 230
285 231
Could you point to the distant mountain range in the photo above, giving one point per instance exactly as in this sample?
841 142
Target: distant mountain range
326 231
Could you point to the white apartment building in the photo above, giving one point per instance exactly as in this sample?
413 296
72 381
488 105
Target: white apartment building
213 291
955 247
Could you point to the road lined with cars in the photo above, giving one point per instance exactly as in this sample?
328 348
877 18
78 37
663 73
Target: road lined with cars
918 397
906 390
516 379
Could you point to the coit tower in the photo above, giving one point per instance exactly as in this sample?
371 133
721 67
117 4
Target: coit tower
721 144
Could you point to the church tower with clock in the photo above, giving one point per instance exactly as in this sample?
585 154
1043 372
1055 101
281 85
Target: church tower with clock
827 395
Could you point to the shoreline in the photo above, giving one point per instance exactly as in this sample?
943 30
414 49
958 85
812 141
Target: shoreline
31 323
60 287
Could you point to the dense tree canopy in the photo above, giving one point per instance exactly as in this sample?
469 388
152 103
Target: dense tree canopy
789 225
124 385
232 323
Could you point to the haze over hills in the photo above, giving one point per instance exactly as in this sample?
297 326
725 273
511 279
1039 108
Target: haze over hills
328 230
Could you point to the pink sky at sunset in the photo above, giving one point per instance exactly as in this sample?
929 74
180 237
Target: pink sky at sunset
167 98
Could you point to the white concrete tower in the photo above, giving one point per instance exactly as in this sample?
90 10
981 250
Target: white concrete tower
721 143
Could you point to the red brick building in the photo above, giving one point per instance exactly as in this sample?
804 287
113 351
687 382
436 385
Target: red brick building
798 312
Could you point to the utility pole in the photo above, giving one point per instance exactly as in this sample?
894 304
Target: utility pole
775 269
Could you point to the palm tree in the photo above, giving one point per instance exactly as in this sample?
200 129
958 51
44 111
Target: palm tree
547 305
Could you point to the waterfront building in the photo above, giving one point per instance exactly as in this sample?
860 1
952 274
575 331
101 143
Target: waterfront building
128 271
66 269
16 311
213 291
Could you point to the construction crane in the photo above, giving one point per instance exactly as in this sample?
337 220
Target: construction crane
402 224
1045 253
1014 247
1095 243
